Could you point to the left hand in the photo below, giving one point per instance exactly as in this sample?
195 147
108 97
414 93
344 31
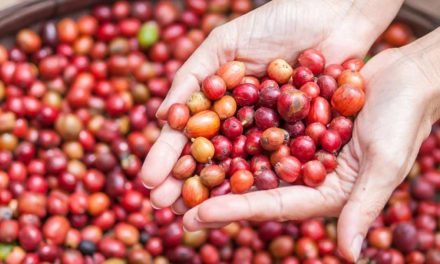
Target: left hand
399 111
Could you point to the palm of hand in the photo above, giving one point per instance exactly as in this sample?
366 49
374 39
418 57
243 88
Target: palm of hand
250 39
384 132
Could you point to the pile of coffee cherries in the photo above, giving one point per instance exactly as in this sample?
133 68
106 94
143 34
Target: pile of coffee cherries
287 126
77 117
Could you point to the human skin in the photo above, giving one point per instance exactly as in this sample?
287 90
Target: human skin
341 30
403 89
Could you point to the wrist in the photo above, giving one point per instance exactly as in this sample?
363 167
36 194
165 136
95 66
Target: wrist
424 53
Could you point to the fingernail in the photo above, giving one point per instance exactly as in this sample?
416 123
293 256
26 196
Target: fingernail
159 110
184 229
356 246
174 211
156 115
154 206
147 186
197 218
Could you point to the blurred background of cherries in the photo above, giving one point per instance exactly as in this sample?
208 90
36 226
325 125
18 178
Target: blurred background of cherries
77 118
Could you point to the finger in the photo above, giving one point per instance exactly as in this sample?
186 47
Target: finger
293 203
166 193
371 192
162 157
199 226
179 207
191 221
203 62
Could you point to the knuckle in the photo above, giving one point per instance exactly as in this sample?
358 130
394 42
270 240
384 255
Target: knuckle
205 213
273 209
386 158
215 32
218 33
279 208
189 223
251 211
183 74
224 38
172 147
179 76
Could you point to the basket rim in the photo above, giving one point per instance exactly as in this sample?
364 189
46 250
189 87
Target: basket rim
28 13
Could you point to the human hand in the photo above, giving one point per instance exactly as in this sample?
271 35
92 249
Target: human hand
402 102
279 29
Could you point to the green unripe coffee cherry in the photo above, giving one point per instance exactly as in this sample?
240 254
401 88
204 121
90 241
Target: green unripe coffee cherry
148 34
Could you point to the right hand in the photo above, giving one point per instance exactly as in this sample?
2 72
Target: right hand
341 29
402 103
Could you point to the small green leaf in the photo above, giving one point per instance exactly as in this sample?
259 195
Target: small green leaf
367 58
5 249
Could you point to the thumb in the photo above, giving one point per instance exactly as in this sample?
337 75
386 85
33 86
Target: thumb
375 184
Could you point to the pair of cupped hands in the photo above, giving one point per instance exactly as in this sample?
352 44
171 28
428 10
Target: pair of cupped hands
401 106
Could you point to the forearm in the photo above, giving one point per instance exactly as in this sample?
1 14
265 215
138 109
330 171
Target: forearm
425 54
